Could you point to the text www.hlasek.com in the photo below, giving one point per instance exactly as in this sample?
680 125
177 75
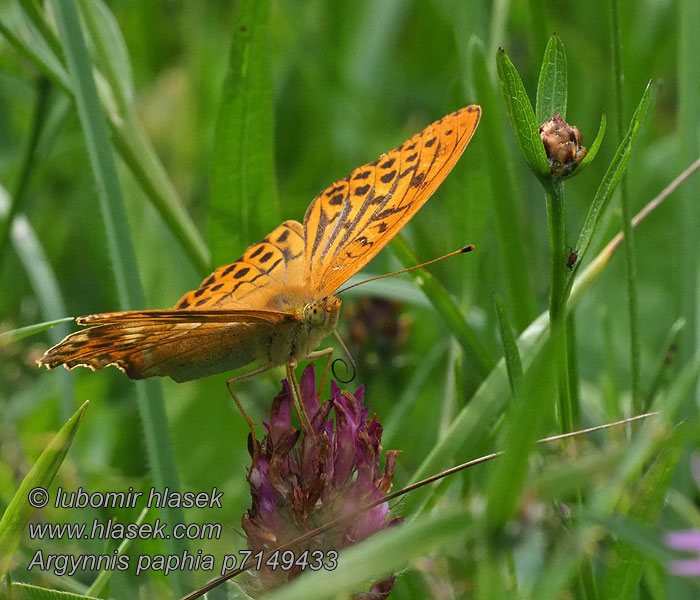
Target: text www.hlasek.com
111 530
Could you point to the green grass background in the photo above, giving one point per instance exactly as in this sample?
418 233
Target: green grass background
349 80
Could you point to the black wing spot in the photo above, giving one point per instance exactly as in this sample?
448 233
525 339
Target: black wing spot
183 304
218 286
413 157
241 272
418 179
430 142
202 301
363 175
283 238
388 177
233 266
266 257
336 200
362 190
199 292
381 228
209 281
411 147
448 132
389 163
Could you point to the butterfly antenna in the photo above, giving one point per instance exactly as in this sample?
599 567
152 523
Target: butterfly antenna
345 364
468 248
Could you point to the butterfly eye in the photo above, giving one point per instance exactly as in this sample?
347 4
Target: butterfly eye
314 315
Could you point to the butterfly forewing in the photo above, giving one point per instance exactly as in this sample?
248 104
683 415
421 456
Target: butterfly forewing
276 261
351 221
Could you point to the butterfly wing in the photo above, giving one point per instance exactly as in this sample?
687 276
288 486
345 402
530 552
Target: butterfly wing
182 344
265 269
351 221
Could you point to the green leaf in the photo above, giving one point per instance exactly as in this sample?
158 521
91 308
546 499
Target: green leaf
23 591
19 511
7 337
609 184
522 117
552 85
510 348
243 207
593 150
381 554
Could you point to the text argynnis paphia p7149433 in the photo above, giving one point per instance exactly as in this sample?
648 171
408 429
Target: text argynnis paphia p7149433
276 303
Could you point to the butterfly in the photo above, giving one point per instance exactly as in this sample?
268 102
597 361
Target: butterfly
276 303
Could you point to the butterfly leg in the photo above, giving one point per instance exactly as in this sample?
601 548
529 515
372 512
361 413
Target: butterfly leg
328 353
229 382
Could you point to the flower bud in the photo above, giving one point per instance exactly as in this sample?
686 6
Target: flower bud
563 144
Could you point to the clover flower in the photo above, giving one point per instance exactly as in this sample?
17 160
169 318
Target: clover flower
301 479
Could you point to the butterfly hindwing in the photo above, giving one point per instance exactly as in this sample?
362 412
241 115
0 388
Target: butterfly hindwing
351 221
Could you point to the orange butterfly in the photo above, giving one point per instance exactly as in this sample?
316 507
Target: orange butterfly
276 303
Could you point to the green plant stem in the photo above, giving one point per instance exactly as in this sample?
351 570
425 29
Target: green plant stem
630 262
556 219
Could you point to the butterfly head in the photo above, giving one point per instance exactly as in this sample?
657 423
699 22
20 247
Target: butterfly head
323 313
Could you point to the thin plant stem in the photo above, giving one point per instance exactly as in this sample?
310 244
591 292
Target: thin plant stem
630 261
556 218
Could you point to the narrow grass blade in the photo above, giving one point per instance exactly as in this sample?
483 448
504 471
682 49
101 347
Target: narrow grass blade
626 561
522 117
7 337
552 90
476 353
19 510
510 348
669 350
524 421
23 591
243 205
121 251
381 554
128 135
106 574
608 185
505 195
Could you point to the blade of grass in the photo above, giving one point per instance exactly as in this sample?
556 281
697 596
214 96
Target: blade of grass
46 290
7 337
688 75
19 510
243 205
510 348
627 562
150 401
552 85
609 183
505 195
383 553
477 355
530 406
25 591
128 136
630 261
669 350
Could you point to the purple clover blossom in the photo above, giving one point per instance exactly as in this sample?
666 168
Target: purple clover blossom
303 479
